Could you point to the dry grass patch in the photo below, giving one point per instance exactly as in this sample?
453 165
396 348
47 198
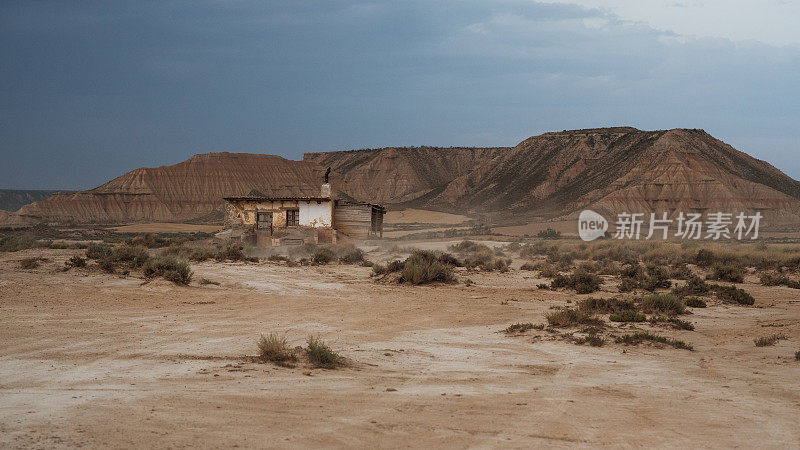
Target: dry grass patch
522 327
170 269
565 318
767 341
627 315
581 281
663 304
639 337
321 355
206 281
275 349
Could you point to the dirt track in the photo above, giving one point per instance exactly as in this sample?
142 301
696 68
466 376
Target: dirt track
97 360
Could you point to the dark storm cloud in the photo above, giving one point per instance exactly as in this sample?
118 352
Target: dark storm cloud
91 90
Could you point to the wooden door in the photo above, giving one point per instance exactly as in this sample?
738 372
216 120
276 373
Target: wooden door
264 221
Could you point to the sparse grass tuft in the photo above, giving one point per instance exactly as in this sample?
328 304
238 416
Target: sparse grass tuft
637 338
170 269
276 349
571 318
627 315
206 281
767 341
31 263
695 302
592 339
676 323
321 355
522 327
76 261
604 306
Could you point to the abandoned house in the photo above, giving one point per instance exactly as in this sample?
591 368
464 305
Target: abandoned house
273 220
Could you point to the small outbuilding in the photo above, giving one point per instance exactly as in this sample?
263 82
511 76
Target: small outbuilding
296 219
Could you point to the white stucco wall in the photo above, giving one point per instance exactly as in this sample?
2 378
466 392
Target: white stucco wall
313 214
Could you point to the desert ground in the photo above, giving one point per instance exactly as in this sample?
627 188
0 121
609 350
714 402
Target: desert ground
90 359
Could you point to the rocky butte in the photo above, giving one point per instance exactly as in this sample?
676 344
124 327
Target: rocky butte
547 176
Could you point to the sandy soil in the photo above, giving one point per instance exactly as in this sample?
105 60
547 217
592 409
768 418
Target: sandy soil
167 228
423 216
89 359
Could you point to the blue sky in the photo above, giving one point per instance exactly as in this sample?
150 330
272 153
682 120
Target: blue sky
91 90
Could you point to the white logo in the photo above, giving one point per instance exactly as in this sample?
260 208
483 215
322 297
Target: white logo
591 225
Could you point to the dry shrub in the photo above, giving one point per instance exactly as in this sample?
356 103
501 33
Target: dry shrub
676 323
767 341
479 256
276 349
649 278
350 254
323 255
775 279
604 306
627 315
232 252
592 339
727 272
637 338
183 251
695 302
522 327
98 251
424 266
321 355
704 258
693 286
169 268
76 261
663 303
30 263
17 242
583 282
732 294
571 318
149 240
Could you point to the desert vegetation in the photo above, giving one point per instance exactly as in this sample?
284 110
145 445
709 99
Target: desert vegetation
766 341
126 257
276 349
422 266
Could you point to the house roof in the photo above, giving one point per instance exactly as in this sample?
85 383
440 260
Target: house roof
261 198
276 199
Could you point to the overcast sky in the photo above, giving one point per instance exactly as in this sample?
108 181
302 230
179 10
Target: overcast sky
91 90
